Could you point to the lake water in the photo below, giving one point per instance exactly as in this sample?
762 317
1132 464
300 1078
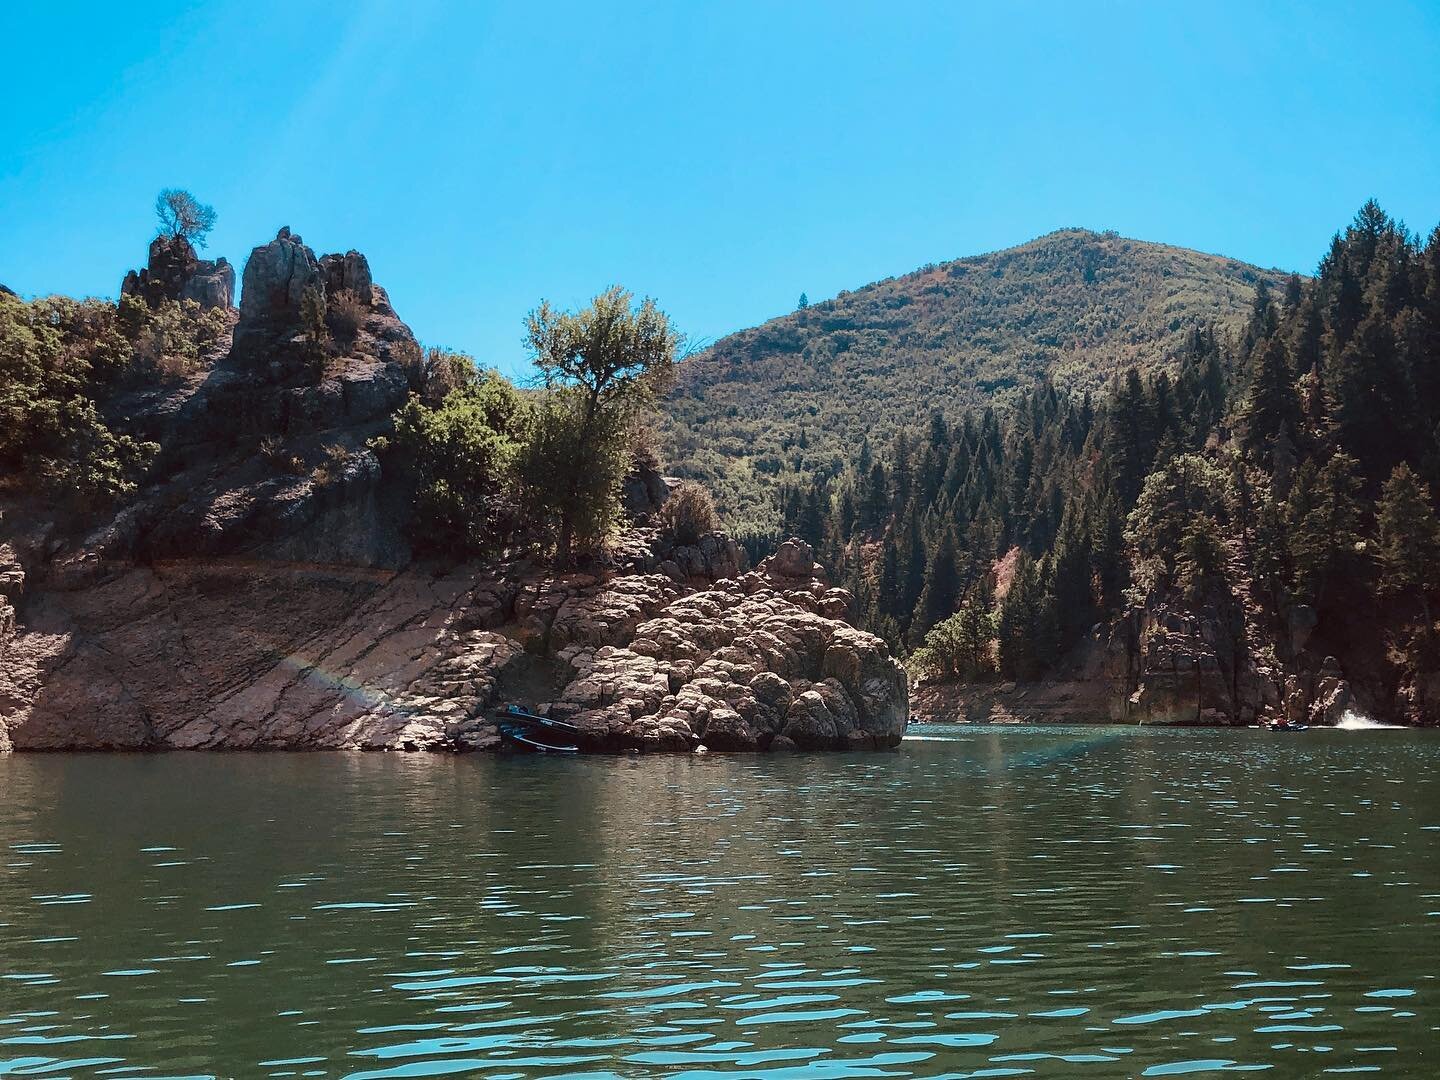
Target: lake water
1059 902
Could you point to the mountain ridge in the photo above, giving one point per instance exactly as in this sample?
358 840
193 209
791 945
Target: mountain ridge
1073 305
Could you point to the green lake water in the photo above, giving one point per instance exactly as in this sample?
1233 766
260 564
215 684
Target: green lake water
1059 902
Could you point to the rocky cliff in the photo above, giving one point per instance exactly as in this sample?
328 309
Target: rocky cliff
1222 660
259 592
1156 665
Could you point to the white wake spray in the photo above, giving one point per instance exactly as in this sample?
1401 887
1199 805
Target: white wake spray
1351 720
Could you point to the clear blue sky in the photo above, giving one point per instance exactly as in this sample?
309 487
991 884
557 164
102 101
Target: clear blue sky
720 157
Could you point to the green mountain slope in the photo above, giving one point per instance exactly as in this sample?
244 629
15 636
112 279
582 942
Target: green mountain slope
797 395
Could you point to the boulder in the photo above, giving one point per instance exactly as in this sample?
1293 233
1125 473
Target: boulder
276 277
794 559
644 491
1332 697
1186 667
349 272
175 272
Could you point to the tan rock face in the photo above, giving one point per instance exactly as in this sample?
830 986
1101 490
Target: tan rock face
732 668
206 654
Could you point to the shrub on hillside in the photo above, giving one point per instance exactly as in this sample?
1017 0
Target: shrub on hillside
460 458
688 514
54 355
168 340
345 314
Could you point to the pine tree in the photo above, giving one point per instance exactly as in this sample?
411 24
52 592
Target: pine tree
941 595
901 475
888 587
874 505
1018 612
1270 560
1294 292
866 457
1282 463
1128 446
911 550
1409 539
1262 321
1270 401
1372 400
811 524
1047 645
846 512
1069 584
1200 561
1108 547
1307 335
1324 518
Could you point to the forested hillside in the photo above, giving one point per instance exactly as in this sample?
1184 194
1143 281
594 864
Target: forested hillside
1276 481
795 397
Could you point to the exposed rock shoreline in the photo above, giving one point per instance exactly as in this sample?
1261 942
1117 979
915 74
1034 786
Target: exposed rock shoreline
236 654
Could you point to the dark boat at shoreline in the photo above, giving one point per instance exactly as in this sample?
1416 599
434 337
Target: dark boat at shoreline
526 731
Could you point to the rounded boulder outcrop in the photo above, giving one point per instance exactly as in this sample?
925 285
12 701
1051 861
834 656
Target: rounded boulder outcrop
732 667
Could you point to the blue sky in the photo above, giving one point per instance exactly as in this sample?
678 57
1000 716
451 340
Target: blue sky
720 157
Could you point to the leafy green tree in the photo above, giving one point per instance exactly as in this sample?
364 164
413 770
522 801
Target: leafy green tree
960 647
461 458
600 367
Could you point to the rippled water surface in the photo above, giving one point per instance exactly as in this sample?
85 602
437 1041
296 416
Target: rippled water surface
987 902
